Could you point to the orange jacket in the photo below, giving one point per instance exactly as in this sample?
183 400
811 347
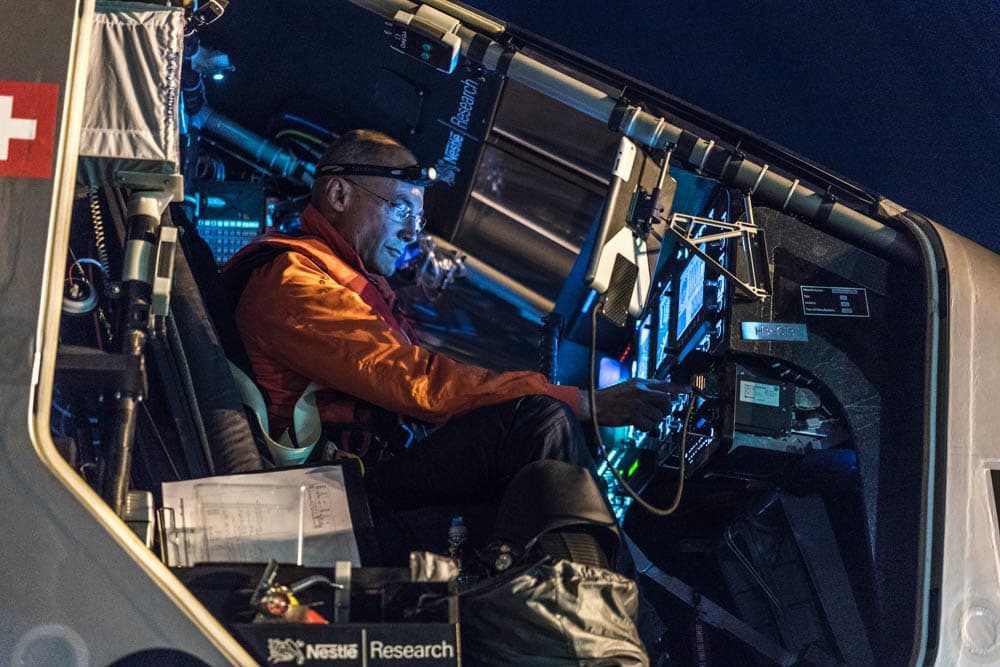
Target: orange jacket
315 314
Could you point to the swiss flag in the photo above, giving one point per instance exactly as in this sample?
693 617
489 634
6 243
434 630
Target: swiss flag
27 128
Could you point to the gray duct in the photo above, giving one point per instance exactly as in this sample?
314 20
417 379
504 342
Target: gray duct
270 156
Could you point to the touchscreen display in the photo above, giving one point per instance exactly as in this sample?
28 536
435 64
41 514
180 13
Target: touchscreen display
642 353
662 327
690 294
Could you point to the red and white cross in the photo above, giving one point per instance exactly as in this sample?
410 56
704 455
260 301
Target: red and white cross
13 128
27 128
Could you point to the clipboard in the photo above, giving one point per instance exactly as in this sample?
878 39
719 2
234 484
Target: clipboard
308 516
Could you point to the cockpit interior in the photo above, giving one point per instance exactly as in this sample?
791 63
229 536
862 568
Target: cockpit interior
776 512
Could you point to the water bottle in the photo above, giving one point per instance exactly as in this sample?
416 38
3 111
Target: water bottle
458 550
457 536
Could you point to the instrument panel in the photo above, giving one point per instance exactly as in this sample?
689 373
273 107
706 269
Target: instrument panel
754 415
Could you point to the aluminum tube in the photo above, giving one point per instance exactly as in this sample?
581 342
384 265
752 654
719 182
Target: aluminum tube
773 190
546 80
655 132
386 8
649 130
489 279
478 21
783 194
778 192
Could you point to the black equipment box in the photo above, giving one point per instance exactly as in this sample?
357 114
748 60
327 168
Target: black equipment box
392 619
760 404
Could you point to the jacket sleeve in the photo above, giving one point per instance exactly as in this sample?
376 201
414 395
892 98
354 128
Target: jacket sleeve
327 333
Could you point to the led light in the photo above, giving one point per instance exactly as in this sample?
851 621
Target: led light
218 76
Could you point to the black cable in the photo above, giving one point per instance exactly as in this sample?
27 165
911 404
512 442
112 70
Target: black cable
652 509
159 439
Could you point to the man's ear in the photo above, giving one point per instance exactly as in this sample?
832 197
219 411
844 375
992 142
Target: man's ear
335 194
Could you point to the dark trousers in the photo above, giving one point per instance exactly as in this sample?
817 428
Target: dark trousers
472 458
470 461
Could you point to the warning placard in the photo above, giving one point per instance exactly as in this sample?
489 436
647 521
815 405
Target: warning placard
834 301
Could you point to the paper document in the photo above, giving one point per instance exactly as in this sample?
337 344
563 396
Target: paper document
299 516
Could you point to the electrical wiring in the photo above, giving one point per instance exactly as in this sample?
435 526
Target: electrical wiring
99 238
303 135
97 330
310 124
86 260
100 319
64 414
80 295
751 570
305 147
61 410
652 509
159 439
235 155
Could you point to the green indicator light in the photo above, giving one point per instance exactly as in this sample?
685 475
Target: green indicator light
425 56
426 46
631 470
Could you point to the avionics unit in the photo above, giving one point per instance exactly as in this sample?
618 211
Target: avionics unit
230 214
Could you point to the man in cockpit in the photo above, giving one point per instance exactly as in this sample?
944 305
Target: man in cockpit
320 310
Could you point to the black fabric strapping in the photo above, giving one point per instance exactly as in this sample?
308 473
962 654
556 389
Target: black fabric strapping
685 145
142 227
504 63
478 47
731 168
826 209
717 160
617 116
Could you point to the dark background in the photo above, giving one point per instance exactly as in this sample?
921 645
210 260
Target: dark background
900 97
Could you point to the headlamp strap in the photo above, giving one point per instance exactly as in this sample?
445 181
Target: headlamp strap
416 174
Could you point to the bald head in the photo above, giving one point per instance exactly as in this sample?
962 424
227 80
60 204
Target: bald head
364 208
362 147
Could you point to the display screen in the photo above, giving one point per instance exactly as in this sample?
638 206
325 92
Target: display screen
690 294
642 348
610 372
663 326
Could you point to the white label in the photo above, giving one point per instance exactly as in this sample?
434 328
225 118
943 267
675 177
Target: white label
759 393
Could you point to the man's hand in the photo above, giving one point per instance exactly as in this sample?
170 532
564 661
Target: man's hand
643 403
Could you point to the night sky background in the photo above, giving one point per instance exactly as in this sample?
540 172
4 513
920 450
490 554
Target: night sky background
900 97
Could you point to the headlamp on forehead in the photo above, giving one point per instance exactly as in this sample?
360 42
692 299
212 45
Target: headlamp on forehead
416 174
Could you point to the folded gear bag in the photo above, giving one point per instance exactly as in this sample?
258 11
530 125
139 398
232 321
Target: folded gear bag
560 613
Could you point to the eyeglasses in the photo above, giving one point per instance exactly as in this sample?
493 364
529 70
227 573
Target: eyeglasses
399 211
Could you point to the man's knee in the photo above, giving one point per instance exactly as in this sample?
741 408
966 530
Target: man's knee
547 408
555 427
